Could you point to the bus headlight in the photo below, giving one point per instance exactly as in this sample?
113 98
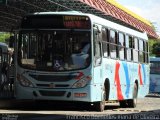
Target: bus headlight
82 83
24 81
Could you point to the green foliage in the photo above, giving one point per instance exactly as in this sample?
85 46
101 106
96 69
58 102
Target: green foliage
4 36
154 44
154 47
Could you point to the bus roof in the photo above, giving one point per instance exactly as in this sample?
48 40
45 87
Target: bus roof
3 44
102 21
154 58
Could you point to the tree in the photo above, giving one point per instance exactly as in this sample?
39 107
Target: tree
154 44
151 43
4 36
156 49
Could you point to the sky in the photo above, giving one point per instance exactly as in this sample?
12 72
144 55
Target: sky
148 9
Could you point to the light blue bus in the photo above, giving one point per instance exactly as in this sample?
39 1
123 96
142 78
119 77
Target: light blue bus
72 56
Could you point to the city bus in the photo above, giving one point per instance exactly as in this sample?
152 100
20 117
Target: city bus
78 57
154 75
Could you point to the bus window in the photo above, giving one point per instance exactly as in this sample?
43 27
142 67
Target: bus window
121 46
146 52
135 50
104 34
28 45
105 42
129 47
55 51
113 46
141 49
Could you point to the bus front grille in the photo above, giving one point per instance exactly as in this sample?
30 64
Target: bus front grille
51 86
53 78
52 93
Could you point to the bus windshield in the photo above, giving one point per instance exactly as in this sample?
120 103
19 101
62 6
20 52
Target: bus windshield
155 67
54 50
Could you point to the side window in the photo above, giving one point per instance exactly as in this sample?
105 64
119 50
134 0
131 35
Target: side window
104 34
105 42
135 50
121 46
146 53
141 51
129 47
113 44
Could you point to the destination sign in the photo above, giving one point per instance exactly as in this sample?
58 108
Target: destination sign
56 22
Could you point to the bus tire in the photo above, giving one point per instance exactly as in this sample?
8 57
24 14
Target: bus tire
107 89
133 102
100 105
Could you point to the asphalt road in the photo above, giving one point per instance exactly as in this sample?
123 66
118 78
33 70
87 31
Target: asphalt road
147 109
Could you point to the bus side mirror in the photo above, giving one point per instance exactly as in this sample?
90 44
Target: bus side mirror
96 29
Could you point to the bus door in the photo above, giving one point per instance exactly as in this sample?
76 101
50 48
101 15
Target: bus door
97 55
